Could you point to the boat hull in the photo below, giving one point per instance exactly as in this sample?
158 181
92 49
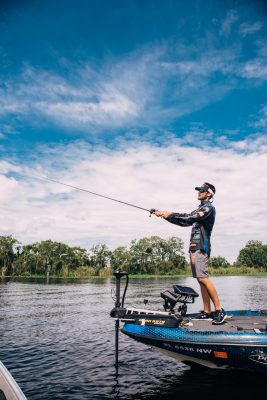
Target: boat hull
214 349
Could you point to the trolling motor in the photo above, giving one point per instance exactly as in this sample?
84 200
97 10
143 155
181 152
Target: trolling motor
119 311
145 317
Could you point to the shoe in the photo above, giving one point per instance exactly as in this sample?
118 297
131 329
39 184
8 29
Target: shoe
203 316
219 317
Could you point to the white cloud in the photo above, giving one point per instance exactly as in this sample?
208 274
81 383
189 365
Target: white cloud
260 121
256 69
140 173
155 84
249 29
228 23
89 99
110 108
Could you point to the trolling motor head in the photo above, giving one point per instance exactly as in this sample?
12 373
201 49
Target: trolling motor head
119 311
119 273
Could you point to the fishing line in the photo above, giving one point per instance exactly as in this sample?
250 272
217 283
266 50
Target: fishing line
45 178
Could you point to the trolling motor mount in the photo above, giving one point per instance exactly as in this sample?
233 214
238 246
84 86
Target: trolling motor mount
119 273
118 312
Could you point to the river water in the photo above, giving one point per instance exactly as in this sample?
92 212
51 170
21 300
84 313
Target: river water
57 340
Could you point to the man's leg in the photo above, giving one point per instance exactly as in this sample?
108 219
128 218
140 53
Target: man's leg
208 290
204 292
205 298
219 315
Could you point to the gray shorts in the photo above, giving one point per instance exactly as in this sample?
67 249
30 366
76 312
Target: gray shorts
200 266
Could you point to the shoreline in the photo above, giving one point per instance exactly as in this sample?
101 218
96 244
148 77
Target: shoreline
131 276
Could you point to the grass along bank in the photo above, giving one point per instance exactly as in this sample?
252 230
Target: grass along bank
85 273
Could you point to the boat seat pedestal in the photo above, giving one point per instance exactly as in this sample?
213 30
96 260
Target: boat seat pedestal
182 294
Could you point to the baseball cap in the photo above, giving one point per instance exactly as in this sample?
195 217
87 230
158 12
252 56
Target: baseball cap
206 187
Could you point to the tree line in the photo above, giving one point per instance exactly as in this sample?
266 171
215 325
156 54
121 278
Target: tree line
150 255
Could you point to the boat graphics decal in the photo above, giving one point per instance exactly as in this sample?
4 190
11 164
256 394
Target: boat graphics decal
191 338
151 321
260 358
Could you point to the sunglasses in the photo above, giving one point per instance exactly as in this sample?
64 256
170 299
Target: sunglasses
202 190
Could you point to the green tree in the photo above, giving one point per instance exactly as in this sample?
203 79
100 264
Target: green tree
153 254
141 256
218 262
254 254
175 247
99 256
7 253
50 258
120 258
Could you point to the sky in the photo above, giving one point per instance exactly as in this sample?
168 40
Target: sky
137 100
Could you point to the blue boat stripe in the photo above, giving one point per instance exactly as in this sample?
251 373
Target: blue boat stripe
211 338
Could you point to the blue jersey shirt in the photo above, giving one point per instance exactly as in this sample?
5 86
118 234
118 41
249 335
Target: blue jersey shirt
202 220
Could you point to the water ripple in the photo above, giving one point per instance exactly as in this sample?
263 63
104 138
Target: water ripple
58 342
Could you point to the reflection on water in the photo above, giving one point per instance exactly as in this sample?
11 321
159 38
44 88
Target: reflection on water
58 342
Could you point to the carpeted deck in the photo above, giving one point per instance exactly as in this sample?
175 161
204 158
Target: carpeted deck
233 323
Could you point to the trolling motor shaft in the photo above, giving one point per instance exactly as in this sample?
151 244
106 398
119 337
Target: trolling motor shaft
119 310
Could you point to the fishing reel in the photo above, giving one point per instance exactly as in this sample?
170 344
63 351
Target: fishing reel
152 210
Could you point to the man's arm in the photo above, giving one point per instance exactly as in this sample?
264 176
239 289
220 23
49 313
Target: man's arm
174 218
186 219
163 214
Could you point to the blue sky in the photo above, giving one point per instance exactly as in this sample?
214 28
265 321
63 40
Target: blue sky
83 82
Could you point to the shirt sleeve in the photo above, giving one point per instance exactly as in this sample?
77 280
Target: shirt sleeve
189 219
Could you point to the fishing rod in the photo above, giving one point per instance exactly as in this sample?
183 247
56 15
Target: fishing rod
45 178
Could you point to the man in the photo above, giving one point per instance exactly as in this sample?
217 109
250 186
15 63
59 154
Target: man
202 221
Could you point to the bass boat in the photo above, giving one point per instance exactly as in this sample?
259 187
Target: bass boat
239 343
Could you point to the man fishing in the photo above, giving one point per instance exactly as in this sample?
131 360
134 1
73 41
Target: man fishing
202 220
